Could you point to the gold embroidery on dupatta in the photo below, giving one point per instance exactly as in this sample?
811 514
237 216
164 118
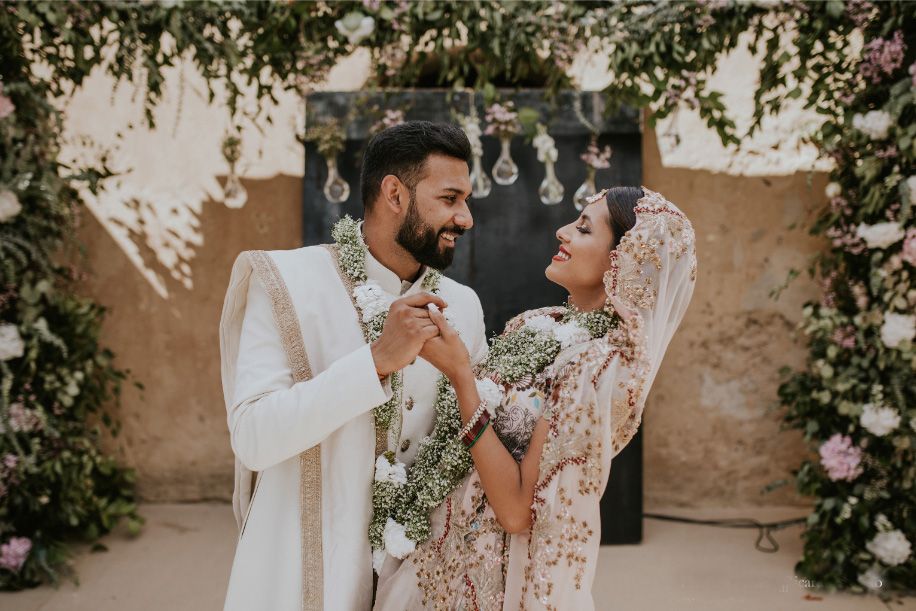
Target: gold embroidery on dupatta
309 461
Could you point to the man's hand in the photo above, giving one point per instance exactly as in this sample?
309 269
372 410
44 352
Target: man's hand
406 329
447 352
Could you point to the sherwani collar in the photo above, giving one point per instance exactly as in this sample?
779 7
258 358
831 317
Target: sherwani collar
387 279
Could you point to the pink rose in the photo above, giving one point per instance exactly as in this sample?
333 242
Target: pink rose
6 106
840 458
14 552
909 247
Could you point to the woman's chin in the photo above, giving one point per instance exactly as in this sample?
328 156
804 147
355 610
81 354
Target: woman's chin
552 273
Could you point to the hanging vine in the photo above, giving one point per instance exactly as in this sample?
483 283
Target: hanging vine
853 401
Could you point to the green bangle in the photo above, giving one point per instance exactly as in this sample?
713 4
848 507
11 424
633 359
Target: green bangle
479 434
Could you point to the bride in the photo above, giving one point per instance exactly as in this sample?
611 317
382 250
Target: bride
560 394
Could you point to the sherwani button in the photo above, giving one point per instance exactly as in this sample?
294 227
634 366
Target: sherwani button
404 445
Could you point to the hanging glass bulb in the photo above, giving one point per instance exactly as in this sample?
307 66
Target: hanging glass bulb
336 188
505 172
551 190
481 185
234 194
585 190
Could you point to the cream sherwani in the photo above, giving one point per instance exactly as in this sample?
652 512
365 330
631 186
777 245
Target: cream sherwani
302 421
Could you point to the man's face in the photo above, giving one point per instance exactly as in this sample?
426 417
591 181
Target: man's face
437 212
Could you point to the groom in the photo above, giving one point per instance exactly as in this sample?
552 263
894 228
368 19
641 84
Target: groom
300 379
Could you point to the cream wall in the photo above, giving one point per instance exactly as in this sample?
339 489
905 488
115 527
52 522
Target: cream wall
160 245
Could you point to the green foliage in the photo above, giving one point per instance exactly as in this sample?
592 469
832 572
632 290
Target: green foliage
661 54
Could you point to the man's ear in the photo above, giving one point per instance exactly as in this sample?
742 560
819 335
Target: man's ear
391 194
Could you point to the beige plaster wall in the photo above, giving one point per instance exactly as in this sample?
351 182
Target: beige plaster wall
160 244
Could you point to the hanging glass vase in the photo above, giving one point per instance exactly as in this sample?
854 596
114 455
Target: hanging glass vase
505 172
481 185
234 194
336 188
585 190
551 190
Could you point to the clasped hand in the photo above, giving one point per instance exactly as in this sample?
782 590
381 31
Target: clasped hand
413 329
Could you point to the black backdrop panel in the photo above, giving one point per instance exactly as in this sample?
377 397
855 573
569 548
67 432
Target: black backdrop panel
504 255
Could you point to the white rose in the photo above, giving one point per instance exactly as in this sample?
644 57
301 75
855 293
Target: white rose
378 559
386 471
542 323
371 299
546 147
874 124
833 189
570 334
9 205
11 344
880 235
872 578
491 393
891 548
897 328
879 420
396 541
355 26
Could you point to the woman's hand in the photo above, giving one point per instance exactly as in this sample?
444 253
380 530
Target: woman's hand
446 352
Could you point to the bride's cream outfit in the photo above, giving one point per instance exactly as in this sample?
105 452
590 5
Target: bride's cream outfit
593 397
299 384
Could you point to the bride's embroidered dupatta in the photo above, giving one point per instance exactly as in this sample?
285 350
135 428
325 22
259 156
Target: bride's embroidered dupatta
593 400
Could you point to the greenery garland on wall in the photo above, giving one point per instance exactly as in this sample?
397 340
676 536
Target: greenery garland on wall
57 380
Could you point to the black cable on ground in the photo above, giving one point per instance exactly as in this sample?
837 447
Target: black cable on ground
764 529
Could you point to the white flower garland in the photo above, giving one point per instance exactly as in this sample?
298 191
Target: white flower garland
401 507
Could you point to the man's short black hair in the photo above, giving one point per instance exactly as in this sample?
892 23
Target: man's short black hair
402 150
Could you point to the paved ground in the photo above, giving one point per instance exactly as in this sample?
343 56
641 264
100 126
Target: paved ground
182 559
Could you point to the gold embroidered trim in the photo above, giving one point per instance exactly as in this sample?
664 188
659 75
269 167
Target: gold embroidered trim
309 461
381 435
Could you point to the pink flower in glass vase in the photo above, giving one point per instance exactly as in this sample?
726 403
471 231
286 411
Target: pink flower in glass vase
502 120
597 158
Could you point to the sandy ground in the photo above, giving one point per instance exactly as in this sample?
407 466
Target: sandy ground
181 561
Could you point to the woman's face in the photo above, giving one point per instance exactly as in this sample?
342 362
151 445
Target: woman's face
583 254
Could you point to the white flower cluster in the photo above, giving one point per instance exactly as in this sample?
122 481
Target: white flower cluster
890 547
472 130
355 26
9 205
568 333
490 393
387 471
897 328
875 124
911 188
397 543
371 299
880 235
879 420
872 578
11 344
545 145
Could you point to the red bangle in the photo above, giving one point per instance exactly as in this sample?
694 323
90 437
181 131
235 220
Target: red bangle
471 435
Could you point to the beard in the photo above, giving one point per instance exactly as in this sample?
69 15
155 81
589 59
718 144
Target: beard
422 241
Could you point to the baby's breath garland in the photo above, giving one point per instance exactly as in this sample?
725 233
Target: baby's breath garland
372 302
403 499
